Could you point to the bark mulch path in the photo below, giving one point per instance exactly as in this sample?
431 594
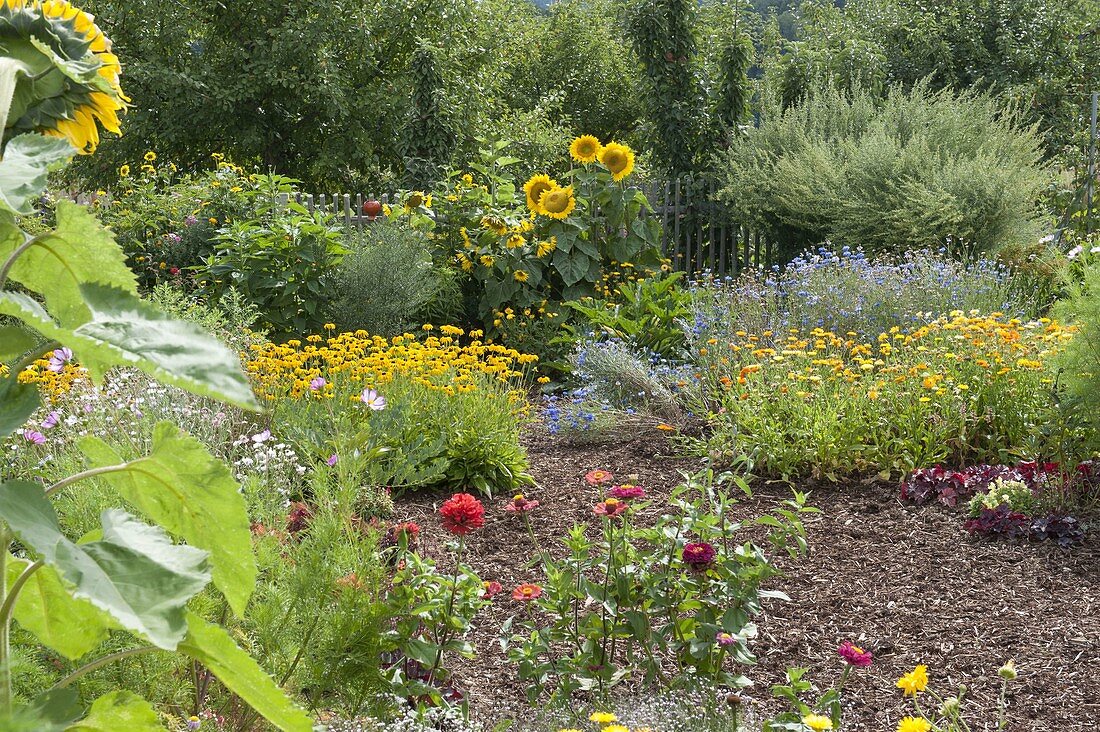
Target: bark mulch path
905 582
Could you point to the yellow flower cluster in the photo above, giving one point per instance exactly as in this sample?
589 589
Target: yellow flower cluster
52 384
440 363
934 359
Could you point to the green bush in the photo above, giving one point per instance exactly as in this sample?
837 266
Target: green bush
920 169
1080 360
385 281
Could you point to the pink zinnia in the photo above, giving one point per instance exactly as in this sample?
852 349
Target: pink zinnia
520 504
699 555
491 589
609 508
854 655
626 492
725 639
599 477
526 592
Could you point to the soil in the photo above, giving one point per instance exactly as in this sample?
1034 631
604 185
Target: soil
905 582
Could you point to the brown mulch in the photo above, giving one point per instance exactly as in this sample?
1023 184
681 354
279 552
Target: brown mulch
905 582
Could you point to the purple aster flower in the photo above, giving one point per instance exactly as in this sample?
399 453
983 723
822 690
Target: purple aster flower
193 723
51 421
332 460
33 437
60 357
317 383
373 400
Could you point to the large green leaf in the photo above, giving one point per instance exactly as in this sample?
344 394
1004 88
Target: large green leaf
27 160
183 488
58 620
572 266
50 711
211 646
17 404
126 331
134 572
79 250
14 342
117 711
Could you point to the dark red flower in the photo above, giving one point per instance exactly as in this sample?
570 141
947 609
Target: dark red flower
854 655
491 589
407 529
298 518
626 492
174 270
520 504
462 513
699 555
609 508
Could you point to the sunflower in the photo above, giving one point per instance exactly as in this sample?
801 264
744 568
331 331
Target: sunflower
557 203
546 246
535 187
75 87
619 159
585 149
520 275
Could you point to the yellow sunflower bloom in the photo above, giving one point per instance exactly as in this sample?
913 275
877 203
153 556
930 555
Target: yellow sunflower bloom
535 187
585 149
520 275
557 203
617 158
546 246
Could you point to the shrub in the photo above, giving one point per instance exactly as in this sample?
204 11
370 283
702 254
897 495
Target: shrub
920 169
847 291
384 282
1079 362
419 413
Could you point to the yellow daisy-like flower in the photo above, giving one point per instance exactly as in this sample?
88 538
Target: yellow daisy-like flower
617 158
515 241
535 187
546 246
487 260
602 717
520 275
150 156
615 728
817 722
124 171
915 681
585 149
557 203
914 724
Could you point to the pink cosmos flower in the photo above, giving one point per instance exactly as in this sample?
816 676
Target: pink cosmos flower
51 421
373 400
333 458
60 357
33 437
626 492
854 655
317 383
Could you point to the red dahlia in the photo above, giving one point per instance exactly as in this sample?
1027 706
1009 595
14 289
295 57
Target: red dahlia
462 513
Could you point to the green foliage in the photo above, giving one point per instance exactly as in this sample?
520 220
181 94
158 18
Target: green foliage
646 313
663 34
386 281
734 93
632 604
427 136
1080 361
921 169
279 260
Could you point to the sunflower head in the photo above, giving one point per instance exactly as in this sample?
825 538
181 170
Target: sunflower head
617 158
585 149
557 202
75 87
535 187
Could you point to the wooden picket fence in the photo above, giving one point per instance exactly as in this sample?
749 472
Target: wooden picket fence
699 233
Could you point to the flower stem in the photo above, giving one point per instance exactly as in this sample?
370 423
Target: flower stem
5 627
444 638
89 474
88 668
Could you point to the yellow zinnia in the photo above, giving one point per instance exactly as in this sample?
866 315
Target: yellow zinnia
585 149
557 203
915 681
914 724
617 158
535 187
817 722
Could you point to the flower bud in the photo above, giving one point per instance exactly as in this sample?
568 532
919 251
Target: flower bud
1008 671
950 707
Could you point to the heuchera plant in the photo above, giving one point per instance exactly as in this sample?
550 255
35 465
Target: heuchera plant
77 298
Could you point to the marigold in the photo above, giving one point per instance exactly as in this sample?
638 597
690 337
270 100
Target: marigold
585 149
915 681
617 158
462 514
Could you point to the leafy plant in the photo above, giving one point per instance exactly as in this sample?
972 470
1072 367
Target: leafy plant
646 313
682 590
128 575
